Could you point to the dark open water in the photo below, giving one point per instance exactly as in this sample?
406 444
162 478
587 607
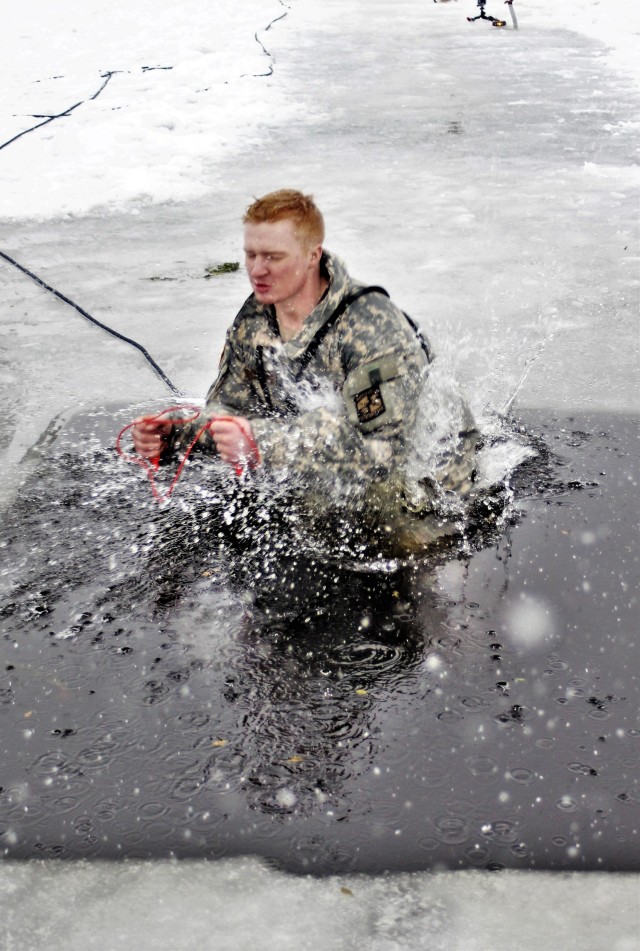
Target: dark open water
166 690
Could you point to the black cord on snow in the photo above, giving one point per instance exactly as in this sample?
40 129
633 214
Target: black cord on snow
263 47
61 115
107 76
114 333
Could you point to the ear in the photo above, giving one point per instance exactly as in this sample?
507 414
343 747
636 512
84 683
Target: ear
314 255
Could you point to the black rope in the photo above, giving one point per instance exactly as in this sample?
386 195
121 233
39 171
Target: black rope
316 340
114 333
59 115
264 48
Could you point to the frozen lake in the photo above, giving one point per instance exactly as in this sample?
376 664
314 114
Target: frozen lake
489 180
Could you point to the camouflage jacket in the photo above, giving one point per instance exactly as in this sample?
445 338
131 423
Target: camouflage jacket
337 401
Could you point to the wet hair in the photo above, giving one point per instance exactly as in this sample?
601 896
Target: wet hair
287 203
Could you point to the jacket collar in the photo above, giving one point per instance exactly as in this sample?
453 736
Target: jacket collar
339 285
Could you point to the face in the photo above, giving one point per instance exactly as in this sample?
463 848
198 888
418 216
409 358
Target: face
279 265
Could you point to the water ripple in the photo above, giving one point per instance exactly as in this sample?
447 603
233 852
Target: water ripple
501 831
521 775
567 804
452 830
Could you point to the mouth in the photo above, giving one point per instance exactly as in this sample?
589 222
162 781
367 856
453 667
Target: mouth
261 288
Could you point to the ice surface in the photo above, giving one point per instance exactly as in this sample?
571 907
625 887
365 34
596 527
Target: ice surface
489 179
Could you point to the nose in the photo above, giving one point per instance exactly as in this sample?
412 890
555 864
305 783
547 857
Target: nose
258 266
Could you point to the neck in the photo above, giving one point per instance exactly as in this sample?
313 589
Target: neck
292 314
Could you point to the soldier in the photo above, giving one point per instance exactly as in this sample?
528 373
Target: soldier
319 380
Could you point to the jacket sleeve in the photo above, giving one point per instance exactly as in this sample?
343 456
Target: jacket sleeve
231 394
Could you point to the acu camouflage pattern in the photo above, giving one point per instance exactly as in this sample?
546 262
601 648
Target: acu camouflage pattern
341 427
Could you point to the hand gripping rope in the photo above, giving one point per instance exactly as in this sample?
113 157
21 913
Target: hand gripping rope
151 466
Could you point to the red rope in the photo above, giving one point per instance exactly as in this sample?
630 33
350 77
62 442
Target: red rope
151 466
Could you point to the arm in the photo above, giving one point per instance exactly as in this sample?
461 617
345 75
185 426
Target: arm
231 395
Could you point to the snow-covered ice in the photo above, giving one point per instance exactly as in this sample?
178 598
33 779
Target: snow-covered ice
186 92
240 904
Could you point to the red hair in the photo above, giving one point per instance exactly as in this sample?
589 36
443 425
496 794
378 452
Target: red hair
287 203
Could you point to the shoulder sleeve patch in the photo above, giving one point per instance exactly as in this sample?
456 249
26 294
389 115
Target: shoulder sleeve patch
369 404
368 395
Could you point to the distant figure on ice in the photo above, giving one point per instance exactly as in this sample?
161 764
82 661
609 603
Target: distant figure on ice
319 383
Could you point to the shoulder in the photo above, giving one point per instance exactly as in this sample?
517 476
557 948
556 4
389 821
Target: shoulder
375 328
373 312
362 300
252 318
249 311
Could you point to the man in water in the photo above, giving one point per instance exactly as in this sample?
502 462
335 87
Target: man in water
320 378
